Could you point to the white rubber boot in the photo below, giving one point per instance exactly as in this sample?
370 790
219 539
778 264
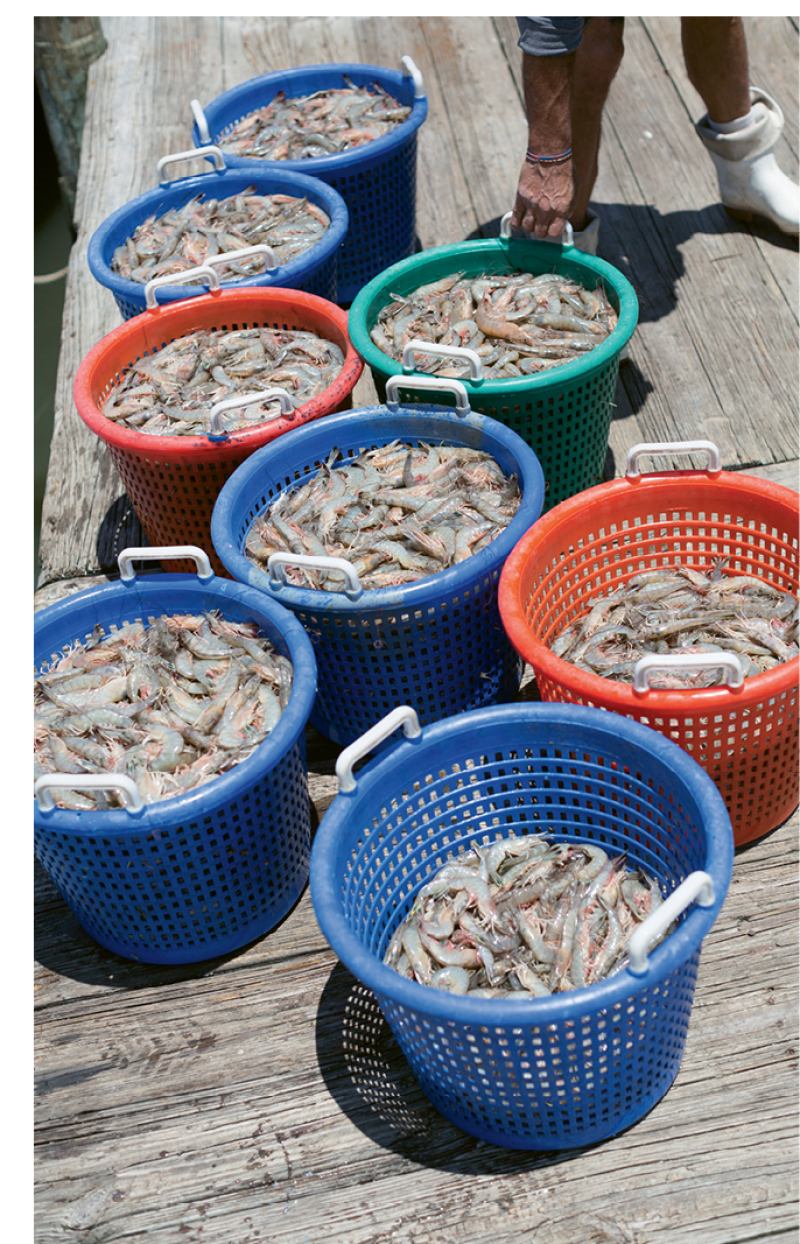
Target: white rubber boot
586 239
750 182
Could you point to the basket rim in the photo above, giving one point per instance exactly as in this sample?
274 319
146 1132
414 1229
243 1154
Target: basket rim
222 787
179 191
165 318
621 697
323 165
380 775
517 252
244 482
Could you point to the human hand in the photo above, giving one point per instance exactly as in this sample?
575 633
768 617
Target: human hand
544 197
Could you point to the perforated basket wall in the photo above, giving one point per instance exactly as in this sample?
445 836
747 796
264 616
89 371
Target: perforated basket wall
549 1073
437 644
174 481
313 272
745 738
563 414
378 180
201 874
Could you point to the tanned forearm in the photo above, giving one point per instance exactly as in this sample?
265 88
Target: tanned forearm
546 191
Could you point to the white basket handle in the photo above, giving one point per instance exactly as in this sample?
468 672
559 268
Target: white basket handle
566 238
697 886
672 447
244 252
251 399
436 384
128 556
277 563
404 716
120 782
461 353
200 122
179 278
410 70
680 662
195 153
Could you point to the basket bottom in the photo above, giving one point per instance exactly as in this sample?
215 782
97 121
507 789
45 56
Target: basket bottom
563 1084
548 1140
200 950
217 876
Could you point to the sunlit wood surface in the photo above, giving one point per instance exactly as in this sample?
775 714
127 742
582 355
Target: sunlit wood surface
261 1097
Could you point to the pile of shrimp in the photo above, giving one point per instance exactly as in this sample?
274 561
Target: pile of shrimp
523 918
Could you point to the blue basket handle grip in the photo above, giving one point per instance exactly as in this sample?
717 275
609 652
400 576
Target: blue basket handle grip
128 556
244 252
277 563
216 152
250 399
672 447
410 70
87 781
697 886
462 354
680 662
434 384
200 122
179 278
404 716
565 240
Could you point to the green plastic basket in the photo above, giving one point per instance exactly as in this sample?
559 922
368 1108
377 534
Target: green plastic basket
563 414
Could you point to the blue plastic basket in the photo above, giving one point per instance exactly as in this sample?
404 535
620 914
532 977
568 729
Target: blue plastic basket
377 180
550 1073
201 874
437 643
314 272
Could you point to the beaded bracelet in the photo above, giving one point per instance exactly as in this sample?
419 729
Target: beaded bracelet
556 159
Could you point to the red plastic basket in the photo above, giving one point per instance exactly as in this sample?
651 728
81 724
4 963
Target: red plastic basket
173 482
746 737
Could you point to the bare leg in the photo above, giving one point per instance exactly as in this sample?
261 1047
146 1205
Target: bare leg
715 52
596 63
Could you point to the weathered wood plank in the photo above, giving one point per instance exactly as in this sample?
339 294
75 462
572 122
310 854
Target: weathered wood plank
285 1092
260 1096
786 473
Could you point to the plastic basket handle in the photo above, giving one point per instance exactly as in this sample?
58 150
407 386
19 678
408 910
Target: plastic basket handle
277 563
250 399
697 886
462 353
404 716
411 70
128 556
565 240
219 159
687 661
244 252
87 781
200 122
435 384
178 278
672 447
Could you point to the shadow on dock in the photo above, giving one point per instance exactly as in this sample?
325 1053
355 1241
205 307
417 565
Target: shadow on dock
372 1083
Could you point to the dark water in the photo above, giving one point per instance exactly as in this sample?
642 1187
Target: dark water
52 239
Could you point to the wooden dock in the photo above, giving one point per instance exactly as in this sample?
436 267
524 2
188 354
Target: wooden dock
260 1098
